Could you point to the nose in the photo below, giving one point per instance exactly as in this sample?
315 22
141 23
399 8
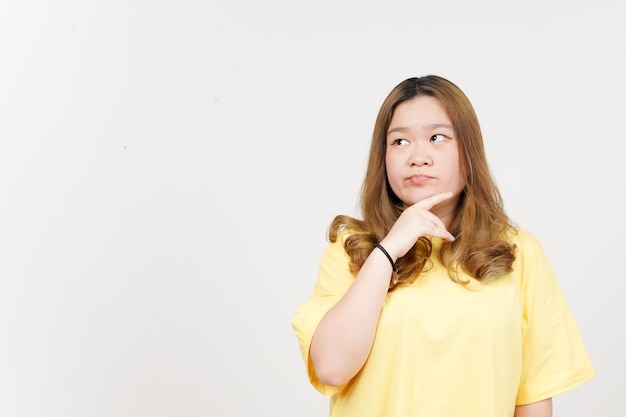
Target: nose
420 157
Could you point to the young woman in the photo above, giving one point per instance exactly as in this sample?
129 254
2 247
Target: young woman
435 303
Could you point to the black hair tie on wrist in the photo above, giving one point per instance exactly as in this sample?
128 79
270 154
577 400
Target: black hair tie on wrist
383 250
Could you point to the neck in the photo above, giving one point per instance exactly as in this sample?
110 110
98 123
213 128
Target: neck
446 211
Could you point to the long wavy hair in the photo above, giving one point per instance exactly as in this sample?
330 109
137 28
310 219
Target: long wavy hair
482 248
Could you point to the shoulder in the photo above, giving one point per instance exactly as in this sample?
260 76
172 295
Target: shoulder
525 242
531 261
531 265
335 248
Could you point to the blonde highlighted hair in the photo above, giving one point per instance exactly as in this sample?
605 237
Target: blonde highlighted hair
481 227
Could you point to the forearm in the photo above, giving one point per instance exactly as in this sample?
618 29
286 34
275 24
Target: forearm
344 337
539 409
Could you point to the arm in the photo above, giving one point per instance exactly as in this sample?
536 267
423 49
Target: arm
344 337
539 409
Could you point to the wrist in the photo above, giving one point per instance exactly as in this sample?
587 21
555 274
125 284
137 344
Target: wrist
392 261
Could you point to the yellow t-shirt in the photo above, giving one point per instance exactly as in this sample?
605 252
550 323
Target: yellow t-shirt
445 350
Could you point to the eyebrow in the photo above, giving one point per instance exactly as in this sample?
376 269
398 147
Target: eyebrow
431 126
438 125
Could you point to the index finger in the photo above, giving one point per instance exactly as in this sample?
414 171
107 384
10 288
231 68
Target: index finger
433 200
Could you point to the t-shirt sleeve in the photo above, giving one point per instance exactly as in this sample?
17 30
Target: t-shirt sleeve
333 280
553 354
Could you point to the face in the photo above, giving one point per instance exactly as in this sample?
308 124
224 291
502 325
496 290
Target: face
422 156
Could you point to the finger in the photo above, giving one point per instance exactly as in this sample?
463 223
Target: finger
445 235
433 200
439 230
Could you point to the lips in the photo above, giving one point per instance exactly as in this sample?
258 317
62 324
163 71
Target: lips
419 179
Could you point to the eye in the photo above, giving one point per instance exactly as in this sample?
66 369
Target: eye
400 142
437 138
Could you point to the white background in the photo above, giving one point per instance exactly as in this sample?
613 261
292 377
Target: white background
168 170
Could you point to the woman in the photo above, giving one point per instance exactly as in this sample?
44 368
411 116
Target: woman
435 303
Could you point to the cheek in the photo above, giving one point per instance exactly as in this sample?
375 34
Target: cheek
454 165
391 167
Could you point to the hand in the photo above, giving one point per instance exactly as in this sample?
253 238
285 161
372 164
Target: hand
416 221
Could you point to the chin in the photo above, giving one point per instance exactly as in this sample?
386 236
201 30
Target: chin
414 198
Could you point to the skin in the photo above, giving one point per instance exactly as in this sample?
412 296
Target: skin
422 161
423 170
539 409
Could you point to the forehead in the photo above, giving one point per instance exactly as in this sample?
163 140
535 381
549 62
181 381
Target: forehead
419 111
